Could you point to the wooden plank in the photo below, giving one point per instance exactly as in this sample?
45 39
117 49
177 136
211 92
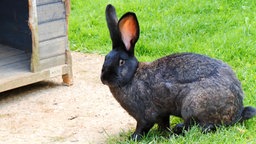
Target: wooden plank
6 51
12 62
33 26
51 30
28 78
17 68
52 47
68 9
51 12
41 2
3 48
52 62
13 59
10 56
21 65
68 78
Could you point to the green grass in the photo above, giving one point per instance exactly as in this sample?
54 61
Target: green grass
222 29
238 134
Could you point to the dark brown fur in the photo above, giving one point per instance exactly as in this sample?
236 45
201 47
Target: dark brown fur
194 87
174 86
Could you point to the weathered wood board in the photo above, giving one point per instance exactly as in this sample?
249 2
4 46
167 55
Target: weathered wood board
51 48
51 12
42 2
12 62
51 30
52 33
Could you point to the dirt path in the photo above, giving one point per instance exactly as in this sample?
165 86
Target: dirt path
48 112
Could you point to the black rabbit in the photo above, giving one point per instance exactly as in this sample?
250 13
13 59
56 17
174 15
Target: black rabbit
199 89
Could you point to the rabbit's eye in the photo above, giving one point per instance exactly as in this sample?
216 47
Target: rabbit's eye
121 62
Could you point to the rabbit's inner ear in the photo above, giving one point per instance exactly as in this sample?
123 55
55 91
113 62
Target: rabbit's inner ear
129 29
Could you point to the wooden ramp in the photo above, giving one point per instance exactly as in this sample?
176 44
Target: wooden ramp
13 62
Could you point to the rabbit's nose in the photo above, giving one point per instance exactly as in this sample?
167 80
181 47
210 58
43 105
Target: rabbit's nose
102 76
104 67
102 70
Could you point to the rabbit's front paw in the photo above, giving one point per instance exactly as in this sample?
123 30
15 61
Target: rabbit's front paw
179 129
135 136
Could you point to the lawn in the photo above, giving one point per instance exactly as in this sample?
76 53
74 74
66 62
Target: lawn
222 29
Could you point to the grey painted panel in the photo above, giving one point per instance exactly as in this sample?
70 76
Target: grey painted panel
51 30
52 47
52 62
51 12
41 2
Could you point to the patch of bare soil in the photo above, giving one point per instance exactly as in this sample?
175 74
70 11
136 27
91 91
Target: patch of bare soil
48 112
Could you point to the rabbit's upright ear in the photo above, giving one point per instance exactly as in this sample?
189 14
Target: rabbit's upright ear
112 21
129 29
